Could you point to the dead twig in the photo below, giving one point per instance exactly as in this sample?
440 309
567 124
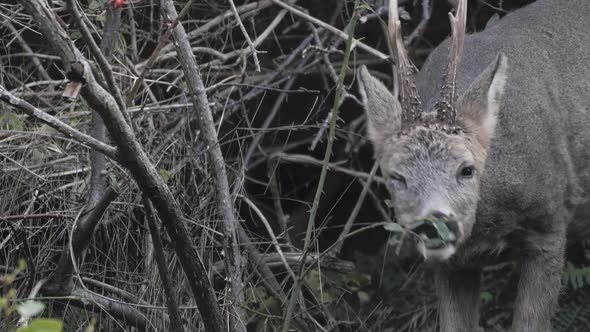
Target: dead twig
355 211
245 33
152 59
330 28
58 125
224 201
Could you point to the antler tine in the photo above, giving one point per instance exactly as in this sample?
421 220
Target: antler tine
447 112
410 102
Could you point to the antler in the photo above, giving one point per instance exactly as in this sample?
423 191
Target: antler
410 102
446 110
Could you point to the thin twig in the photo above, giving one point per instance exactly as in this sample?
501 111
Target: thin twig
311 222
355 211
419 30
56 124
306 159
330 28
245 33
273 238
38 66
152 59
260 134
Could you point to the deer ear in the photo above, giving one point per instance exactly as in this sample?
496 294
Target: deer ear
481 102
382 108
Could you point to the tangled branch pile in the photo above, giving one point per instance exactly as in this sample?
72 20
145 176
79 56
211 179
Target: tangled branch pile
159 161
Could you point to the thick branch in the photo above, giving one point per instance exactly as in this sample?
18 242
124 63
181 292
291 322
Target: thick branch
98 180
124 312
61 282
101 58
206 124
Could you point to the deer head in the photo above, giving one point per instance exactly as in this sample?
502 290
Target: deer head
433 160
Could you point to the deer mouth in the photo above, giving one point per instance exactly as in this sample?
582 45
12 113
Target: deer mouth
436 238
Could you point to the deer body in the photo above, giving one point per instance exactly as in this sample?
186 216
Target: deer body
515 176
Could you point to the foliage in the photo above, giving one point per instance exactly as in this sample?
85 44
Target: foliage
574 314
576 277
10 121
9 303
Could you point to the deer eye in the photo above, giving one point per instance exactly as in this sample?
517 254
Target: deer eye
466 171
397 180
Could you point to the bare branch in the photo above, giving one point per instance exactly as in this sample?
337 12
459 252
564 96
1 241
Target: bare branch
248 40
330 28
98 55
152 59
56 124
355 211
61 283
223 197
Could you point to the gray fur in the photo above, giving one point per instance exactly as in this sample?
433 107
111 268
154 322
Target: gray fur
525 87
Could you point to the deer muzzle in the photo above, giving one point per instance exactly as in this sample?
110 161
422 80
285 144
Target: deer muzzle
436 234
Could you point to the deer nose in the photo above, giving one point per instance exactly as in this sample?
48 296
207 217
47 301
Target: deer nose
440 215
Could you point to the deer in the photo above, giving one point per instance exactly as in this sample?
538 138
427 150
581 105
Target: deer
491 137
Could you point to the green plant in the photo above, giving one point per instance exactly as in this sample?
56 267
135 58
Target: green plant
574 314
327 155
576 277
27 309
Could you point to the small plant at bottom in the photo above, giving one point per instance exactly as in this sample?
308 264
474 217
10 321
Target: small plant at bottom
9 304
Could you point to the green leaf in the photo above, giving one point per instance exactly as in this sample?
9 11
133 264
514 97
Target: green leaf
75 35
94 5
442 229
22 265
30 308
393 227
3 303
313 280
42 325
101 18
11 121
486 297
165 174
